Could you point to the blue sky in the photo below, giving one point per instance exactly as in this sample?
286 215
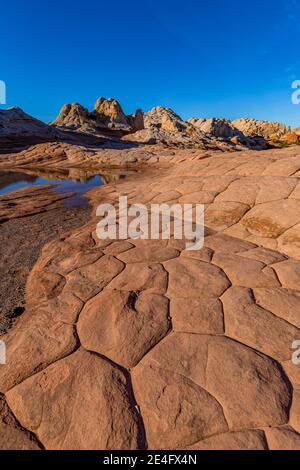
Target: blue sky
223 58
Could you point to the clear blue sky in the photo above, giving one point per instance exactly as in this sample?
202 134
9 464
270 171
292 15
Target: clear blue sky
233 58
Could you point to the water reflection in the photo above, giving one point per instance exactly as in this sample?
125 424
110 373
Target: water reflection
75 180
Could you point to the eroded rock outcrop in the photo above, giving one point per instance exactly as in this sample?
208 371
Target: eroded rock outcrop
163 125
164 118
75 116
254 127
216 127
107 114
18 128
110 113
158 125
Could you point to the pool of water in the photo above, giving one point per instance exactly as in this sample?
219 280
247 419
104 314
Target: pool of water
72 180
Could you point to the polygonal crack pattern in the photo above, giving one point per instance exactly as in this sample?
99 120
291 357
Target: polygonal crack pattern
129 344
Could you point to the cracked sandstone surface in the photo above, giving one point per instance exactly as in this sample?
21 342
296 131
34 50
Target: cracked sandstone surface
131 344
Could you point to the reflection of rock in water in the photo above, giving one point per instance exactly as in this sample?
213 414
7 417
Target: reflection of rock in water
114 177
31 175
77 175
10 177
80 175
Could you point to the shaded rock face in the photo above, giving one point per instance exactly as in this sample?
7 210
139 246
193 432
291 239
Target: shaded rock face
12 435
73 115
136 121
17 126
254 127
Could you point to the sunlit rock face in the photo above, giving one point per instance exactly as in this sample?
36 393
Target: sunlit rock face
107 114
110 113
266 129
216 126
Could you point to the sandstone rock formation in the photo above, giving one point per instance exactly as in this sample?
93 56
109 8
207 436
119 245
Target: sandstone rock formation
216 127
12 435
297 131
143 344
159 125
107 123
164 118
291 138
162 125
109 113
17 127
225 129
136 120
156 135
268 130
75 116
29 201
101 415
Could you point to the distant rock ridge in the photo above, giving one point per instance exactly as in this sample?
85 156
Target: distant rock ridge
19 130
163 125
14 122
158 125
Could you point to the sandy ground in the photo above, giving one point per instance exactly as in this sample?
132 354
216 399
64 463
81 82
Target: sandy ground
21 241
